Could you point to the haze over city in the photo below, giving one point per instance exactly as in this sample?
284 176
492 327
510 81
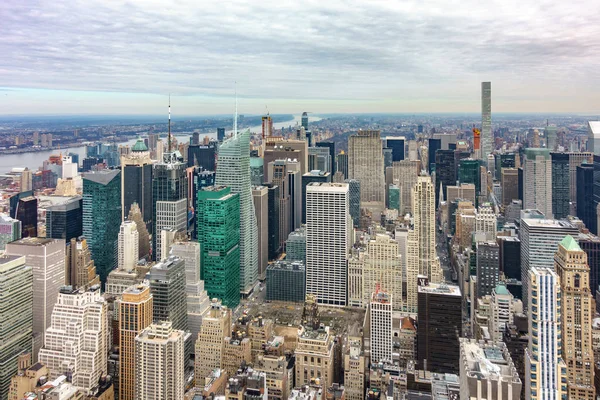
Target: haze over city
97 57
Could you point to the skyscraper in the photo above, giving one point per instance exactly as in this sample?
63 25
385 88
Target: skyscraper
328 228
575 160
396 144
383 268
405 176
80 324
16 286
543 355
577 311
169 192
342 163
468 172
487 138
219 238
305 120
159 351
46 257
129 244
135 314
233 170
365 164
510 185
488 267
560 185
135 215
273 199
80 268
136 181
64 220
102 217
354 200
209 346
332 162
445 172
380 318
10 230
203 156
433 145
260 196
586 211
312 176
537 181
168 288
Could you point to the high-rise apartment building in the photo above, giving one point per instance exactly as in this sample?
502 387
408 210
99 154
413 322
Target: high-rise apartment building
80 270
209 346
219 238
159 351
577 311
380 326
46 257
260 195
129 245
561 189
10 230
544 353
102 217
539 240
233 170
136 182
487 135
135 315
537 181
79 324
169 196
354 369
168 287
365 164
328 234
16 306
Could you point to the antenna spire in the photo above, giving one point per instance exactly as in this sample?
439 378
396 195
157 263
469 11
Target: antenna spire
235 117
169 145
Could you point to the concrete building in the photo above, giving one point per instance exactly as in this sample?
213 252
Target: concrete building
80 269
382 265
314 356
16 306
135 215
236 350
380 326
277 371
537 181
487 371
135 315
168 287
286 281
46 257
510 185
578 308
576 159
10 230
466 191
486 221
129 245
354 369
504 306
27 379
488 267
328 239
260 196
544 353
209 346
79 324
593 143
487 135
405 175
159 353
365 164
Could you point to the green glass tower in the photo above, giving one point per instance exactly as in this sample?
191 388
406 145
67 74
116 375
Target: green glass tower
102 218
468 172
219 237
394 197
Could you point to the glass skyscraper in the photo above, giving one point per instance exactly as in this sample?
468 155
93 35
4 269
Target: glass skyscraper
102 217
560 185
233 170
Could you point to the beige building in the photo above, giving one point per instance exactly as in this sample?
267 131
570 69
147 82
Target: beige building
236 351
210 344
510 185
365 164
465 191
405 174
260 331
129 246
159 351
383 266
405 339
26 379
314 356
274 365
80 269
486 222
135 315
578 308
354 369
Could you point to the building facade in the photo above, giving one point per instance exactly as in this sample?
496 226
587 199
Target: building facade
537 181
365 164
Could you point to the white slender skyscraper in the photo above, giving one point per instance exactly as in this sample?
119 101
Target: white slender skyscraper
486 120
129 243
233 170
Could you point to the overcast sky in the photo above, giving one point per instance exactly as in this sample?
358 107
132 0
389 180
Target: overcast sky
115 57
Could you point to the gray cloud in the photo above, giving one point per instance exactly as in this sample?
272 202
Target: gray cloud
387 51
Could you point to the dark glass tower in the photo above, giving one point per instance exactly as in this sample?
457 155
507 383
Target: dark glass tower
331 147
136 182
102 218
586 211
434 145
65 221
202 156
560 185
445 172
354 200
167 285
342 164
273 204
397 146
220 134
468 172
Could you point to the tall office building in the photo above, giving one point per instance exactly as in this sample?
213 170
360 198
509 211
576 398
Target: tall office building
575 160
80 268
539 240
433 145
577 312
487 135
561 190
16 306
332 163
102 217
135 215
278 170
64 220
169 193
468 172
396 144
260 195
405 176
382 267
219 238
129 244
543 355
198 302
342 163
136 181
135 315
380 327
203 156
537 181
168 288
257 171
593 143
445 172
488 267
586 211
10 230
209 346
273 198
365 164
309 177
220 134
354 200
440 325
280 149
510 185
79 324
46 257
233 170
159 351
305 120
328 231
486 221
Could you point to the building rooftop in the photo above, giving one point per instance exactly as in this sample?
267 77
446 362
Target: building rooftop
287 265
570 244
33 241
501 289
487 361
102 177
547 223
440 288
594 127
139 146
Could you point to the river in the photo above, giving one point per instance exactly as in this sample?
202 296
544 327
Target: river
34 160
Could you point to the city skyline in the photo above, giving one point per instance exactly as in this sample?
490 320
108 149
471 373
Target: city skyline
94 58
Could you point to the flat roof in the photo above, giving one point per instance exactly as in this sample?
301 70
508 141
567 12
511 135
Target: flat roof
440 288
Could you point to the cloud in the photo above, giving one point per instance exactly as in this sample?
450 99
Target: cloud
390 52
